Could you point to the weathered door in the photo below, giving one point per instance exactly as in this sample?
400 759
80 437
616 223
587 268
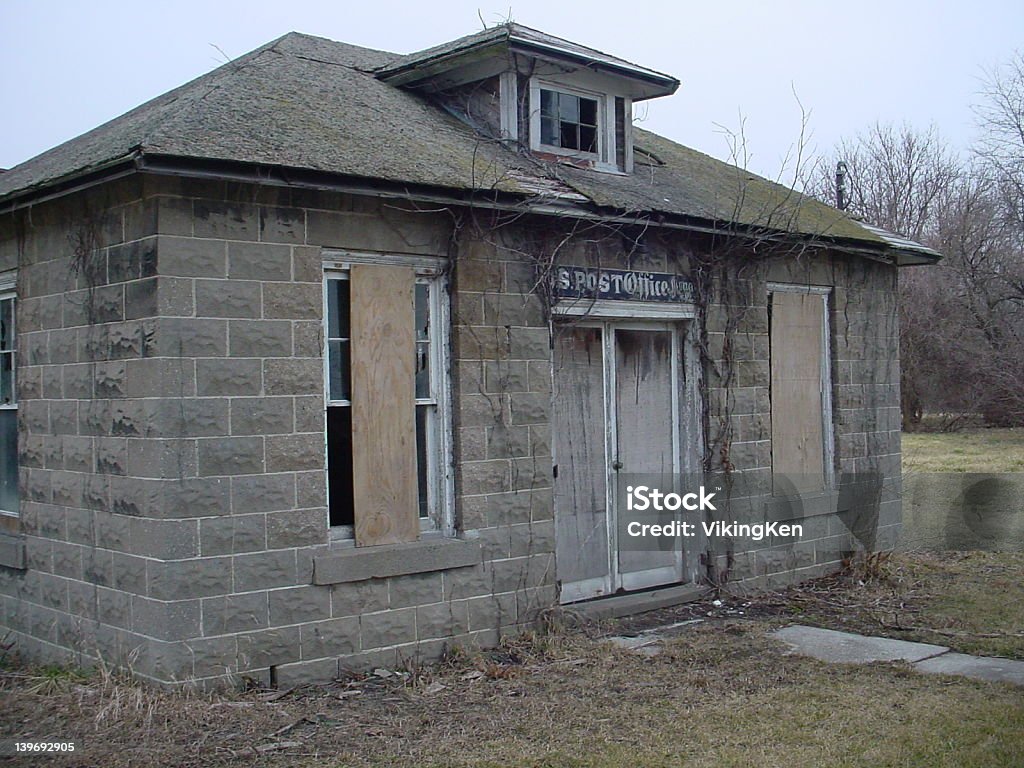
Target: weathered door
645 412
581 474
617 392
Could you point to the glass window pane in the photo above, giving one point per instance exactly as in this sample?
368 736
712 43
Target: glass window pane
568 108
422 425
423 369
337 309
588 138
548 103
549 131
9 460
339 371
339 465
569 139
588 111
422 313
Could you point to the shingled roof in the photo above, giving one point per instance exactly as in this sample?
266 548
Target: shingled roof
311 104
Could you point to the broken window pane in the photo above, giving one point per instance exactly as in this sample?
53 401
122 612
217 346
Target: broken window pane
422 425
9 412
568 121
339 465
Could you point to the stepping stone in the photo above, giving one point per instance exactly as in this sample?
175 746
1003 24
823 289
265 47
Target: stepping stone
978 667
847 648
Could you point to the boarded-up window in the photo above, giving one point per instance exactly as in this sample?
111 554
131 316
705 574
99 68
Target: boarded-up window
385 438
799 390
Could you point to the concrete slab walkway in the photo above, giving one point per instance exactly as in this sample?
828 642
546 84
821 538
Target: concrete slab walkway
848 648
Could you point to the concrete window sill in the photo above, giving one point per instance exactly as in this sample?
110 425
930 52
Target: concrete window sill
12 551
362 563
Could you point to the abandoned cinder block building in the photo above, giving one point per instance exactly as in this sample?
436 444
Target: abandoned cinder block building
338 357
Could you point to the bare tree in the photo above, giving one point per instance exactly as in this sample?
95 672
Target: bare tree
1001 119
895 175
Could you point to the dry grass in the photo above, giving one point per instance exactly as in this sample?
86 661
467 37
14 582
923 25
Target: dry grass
972 602
719 694
971 450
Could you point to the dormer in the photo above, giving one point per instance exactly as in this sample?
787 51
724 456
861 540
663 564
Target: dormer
561 101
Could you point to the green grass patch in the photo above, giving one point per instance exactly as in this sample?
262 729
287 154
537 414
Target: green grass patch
971 450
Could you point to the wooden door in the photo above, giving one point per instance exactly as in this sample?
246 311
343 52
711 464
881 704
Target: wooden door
646 416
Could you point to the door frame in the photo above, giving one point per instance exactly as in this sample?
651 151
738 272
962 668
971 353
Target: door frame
687 417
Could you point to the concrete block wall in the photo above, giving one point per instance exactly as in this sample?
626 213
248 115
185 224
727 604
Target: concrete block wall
172 428
865 401
502 409
174 492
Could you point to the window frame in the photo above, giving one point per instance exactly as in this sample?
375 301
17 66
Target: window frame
604 158
431 271
8 293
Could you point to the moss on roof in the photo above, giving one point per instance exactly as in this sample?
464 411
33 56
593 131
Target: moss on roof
308 103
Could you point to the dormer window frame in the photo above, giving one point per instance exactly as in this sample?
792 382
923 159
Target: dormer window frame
604 158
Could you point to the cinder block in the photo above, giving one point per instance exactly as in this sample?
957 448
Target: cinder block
333 637
394 627
234 613
287 453
292 301
314 672
442 620
262 416
530 408
231 534
191 257
279 645
282 225
359 597
263 493
264 570
479 477
185 579
418 589
165 539
260 338
297 376
173 620
298 605
259 261
228 298
226 221
188 337
297 528
231 377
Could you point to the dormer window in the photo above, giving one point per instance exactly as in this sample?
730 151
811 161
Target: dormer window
576 121
568 121
563 101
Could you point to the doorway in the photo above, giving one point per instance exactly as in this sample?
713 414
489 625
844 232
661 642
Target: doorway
624 405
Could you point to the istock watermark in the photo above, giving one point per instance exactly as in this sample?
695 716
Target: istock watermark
642 498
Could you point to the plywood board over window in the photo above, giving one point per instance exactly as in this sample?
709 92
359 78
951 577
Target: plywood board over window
799 390
383 405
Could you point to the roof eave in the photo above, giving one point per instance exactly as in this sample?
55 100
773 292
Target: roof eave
70 183
175 165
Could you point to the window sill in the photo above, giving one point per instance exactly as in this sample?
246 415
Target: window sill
12 551
339 566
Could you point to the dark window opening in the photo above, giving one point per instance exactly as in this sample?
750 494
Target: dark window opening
568 121
339 407
8 409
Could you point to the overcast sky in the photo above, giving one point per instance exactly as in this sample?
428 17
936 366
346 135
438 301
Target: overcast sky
66 67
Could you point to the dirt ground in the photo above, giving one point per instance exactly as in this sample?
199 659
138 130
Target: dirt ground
717 692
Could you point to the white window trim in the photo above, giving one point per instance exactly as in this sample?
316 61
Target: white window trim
604 158
827 423
440 478
8 282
